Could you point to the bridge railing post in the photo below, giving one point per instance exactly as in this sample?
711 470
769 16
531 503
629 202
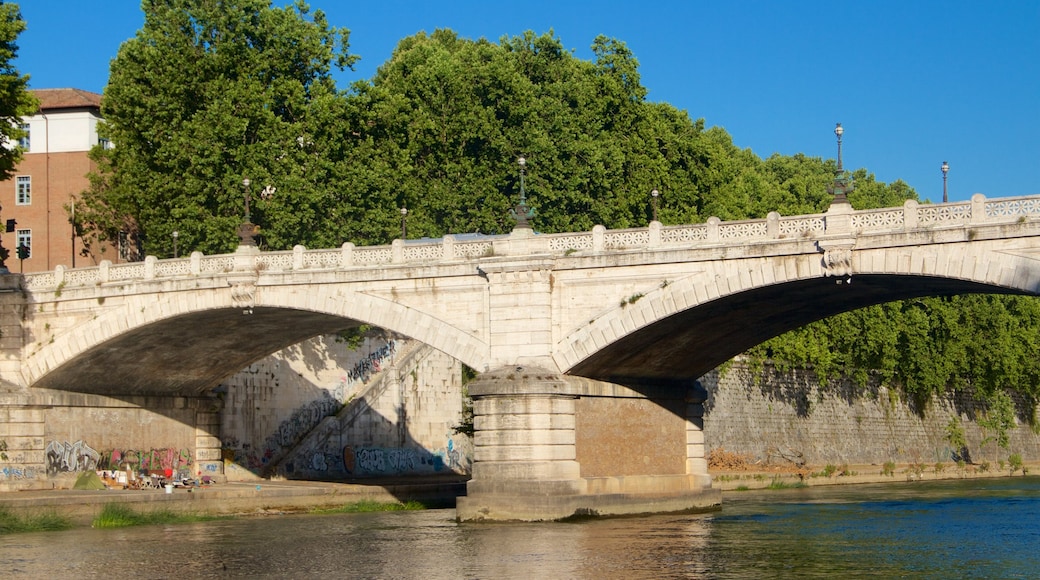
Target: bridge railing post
346 254
297 256
655 234
195 266
103 270
910 219
149 267
773 225
448 247
59 275
713 229
599 238
978 208
397 251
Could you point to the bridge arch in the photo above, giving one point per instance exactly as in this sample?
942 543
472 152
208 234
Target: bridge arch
185 342
684 329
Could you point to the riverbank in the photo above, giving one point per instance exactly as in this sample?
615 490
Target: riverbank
234 498
735 480
279 497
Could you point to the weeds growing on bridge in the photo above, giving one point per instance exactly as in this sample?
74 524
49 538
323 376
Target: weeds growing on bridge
39 522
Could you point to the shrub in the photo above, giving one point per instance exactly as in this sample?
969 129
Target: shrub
889 468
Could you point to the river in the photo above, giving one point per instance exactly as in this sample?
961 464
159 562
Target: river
981 528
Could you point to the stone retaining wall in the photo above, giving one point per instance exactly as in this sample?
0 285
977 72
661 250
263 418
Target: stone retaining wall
789 415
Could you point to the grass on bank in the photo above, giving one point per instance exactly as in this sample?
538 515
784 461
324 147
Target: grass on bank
41 522
117 515
368 505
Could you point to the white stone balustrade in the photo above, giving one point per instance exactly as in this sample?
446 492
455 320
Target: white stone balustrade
911 215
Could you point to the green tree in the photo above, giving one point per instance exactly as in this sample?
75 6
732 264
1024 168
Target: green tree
999 419
15 99
206 94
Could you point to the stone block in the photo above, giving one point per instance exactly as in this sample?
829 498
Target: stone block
510 422
523 405
524 453
524 437
537 470
209 454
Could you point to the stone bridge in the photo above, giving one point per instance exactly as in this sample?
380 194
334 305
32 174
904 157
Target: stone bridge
581 339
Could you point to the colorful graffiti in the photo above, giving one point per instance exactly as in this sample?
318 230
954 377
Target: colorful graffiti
150 460
62 456
370 461
65 457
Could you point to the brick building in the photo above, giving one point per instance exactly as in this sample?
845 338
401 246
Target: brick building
53 172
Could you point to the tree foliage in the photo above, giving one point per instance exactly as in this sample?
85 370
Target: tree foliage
15 99
205 95
210 92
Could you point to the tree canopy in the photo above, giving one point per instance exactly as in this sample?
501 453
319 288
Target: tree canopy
208 93
16 101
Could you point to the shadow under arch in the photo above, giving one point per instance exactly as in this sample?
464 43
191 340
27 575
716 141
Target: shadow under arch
171 346
685 345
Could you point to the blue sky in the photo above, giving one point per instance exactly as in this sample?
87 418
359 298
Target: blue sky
913 83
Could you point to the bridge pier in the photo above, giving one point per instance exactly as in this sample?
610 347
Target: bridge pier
549 447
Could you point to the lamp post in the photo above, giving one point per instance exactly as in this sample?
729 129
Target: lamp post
654 194
404 223
175 235
247 229
945 169
841 184
521 213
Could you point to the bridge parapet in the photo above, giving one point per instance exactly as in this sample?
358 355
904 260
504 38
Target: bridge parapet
910 216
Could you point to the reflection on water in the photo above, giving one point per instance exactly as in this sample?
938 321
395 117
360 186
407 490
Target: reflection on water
976 528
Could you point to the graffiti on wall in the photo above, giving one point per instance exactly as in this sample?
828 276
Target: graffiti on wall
65 457
363 369
62 456
16 472
302 420
150 460
369 461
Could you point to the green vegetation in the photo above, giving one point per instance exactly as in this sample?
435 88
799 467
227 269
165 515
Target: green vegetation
118 515
889 468
41 522
1016 463
999 419
366 506
778 483
207 94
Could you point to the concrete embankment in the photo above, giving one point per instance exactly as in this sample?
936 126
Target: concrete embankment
856 474
81 506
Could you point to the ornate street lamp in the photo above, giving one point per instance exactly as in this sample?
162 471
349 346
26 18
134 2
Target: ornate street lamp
247 229
521 213
842 184
945 169
175 235
404 223
654 194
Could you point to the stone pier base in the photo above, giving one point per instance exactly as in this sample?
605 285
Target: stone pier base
550 447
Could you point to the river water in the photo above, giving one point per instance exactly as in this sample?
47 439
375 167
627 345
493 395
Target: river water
984 528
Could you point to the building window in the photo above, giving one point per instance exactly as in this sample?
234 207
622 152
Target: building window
24 239
104 143
24 190
23 142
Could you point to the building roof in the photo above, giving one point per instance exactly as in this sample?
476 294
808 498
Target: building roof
51 99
